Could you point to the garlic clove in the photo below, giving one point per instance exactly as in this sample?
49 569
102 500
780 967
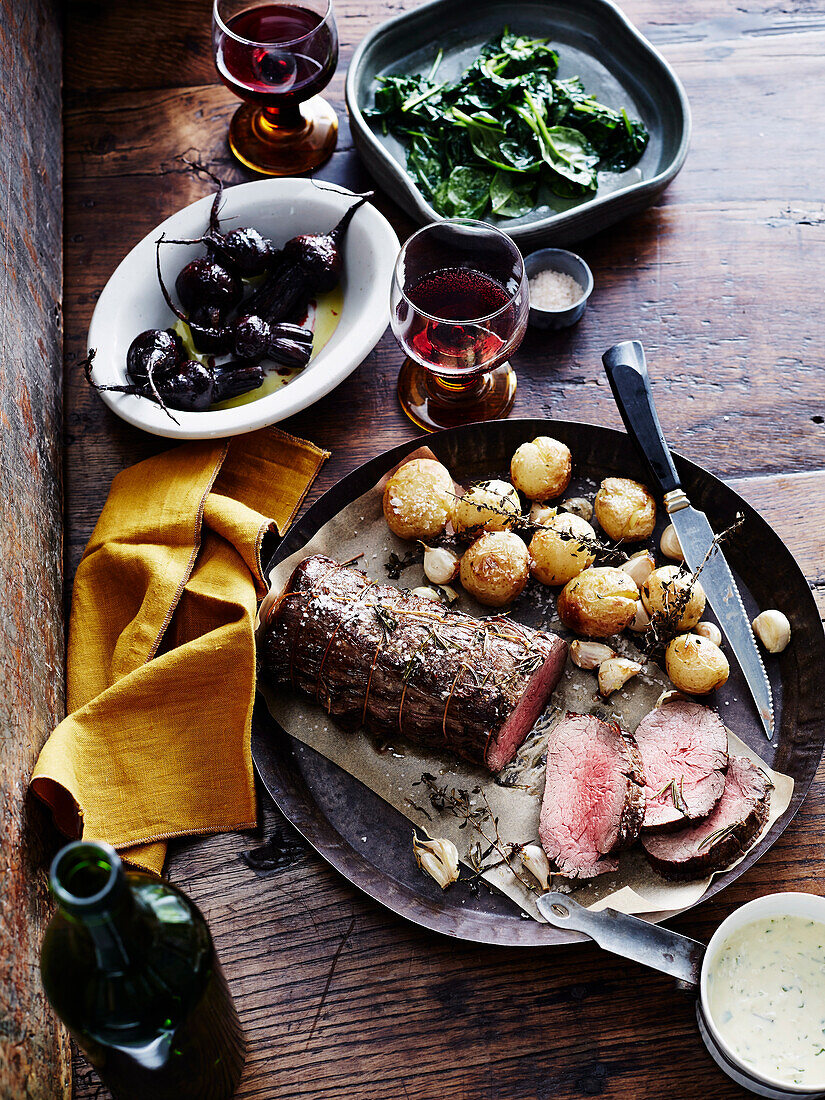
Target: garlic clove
541 514
773 630
579 506
534 860
642 620
670 697
440 565
448 593
438 857
426 593
669 544
589 654
615 672
639 567
710 631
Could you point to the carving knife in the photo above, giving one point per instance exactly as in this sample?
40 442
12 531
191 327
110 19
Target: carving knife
630 383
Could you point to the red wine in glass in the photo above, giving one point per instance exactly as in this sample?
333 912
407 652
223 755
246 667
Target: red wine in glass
461 322
277 55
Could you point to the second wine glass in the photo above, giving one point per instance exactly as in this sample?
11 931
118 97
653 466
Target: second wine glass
458 308
277 57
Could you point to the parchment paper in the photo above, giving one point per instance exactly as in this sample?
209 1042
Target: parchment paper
393 770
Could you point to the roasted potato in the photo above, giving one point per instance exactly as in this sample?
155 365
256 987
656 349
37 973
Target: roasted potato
418 499
555 559
667 585
695 664
495 568
599 602
625 509
490 505
541 469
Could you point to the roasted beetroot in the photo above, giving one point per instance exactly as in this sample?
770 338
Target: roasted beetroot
310 264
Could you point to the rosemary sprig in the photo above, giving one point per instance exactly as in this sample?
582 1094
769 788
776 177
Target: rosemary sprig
528 664
717 835
676 793
457 802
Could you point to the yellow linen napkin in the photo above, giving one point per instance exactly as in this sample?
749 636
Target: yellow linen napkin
161 658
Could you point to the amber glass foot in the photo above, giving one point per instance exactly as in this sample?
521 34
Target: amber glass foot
284 141
432 403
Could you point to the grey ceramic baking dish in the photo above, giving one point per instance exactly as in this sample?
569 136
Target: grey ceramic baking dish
595 41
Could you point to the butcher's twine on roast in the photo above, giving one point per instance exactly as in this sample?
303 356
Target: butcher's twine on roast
376 656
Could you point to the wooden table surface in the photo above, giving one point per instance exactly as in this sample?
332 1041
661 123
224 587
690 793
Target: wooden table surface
722 282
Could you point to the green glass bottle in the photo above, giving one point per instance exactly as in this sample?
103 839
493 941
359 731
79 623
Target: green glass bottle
129 965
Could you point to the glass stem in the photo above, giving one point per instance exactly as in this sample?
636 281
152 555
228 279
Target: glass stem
460 389
283 119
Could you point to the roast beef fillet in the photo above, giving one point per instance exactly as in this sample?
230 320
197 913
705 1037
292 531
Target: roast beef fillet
373 655
701 848
684 749
593 802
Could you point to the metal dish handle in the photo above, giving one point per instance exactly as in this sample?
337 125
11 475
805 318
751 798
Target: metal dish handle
632 938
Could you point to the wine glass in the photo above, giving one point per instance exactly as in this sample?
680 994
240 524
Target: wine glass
277 57
458 308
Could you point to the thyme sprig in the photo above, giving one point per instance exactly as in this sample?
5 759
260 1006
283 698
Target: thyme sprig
395 565
458 803
665 624
521 521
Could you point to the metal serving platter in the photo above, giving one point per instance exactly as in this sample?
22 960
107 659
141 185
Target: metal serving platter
334 812
595 41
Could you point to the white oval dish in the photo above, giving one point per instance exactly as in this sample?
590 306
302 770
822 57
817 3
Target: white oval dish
132 301
793 904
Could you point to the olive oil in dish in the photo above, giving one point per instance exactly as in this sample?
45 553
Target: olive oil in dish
766 992
323 315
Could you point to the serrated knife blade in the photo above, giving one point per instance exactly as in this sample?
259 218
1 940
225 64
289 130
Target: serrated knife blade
696 540
627 373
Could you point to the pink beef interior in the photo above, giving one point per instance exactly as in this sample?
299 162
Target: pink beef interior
584 796
745 787
685 742
539 689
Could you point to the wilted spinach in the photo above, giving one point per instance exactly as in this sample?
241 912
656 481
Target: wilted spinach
487 142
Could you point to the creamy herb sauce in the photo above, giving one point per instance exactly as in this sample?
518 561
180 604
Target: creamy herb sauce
766 992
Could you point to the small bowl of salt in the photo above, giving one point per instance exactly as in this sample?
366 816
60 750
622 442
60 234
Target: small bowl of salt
560 283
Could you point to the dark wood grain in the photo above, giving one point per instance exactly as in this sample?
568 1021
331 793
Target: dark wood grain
721 280
33 1050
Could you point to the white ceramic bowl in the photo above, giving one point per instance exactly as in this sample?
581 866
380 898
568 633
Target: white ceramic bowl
280 209
810 906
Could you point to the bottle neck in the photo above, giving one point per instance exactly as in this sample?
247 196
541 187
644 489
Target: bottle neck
92 892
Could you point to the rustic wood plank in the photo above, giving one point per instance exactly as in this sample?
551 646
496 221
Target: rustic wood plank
97 56
790 504
33 1048
720 280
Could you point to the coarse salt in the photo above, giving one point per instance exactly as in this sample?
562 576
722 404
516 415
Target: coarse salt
554 290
